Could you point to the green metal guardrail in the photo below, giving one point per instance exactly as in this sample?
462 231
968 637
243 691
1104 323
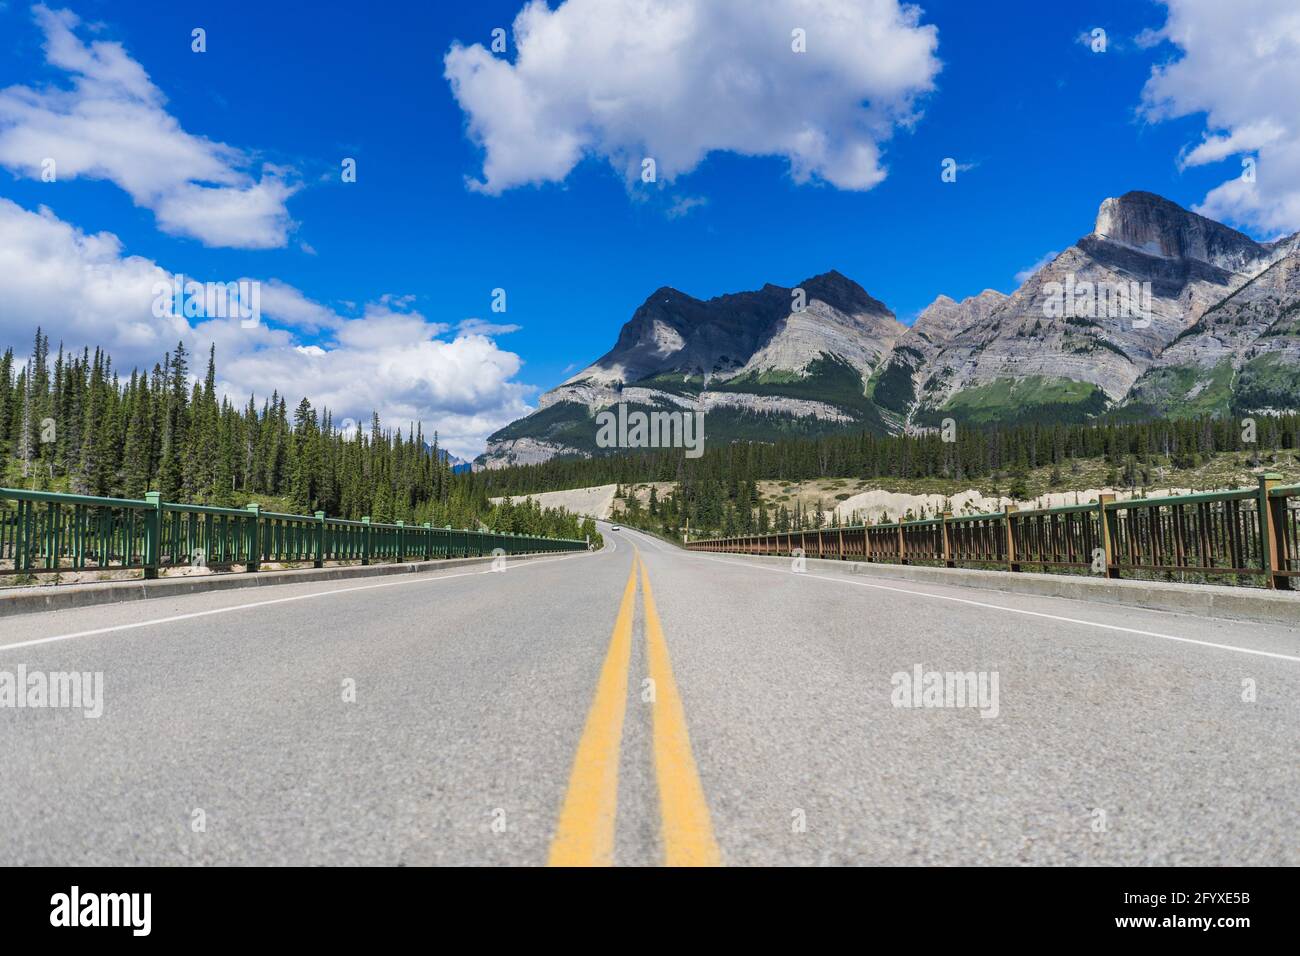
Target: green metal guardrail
48 532
1247 533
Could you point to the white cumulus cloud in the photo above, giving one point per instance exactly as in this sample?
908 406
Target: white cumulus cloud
84 290
109 122
675 80
480 327
1239 64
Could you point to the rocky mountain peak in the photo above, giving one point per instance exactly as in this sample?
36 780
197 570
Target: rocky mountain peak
840 292
945 315
667 296
945 306
1153 225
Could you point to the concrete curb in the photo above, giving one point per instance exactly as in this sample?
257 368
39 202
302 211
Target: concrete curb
1203 600
56 597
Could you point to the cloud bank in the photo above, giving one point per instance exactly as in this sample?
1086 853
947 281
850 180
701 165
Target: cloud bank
1239 64
110 123
83 289
675 80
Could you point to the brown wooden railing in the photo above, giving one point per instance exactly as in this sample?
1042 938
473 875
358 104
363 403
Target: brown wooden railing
1247 536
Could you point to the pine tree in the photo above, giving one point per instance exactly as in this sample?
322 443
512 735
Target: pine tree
174 422
137 466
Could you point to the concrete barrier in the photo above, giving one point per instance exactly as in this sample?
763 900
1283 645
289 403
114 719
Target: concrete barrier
55 597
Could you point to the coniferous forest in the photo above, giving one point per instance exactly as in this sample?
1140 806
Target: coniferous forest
975 453
717 492
74 422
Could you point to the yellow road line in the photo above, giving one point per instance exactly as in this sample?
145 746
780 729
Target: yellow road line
584 835
687 829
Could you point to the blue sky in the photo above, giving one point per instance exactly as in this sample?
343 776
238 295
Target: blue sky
1043 129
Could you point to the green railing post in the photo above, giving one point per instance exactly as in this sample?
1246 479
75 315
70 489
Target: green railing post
365 540
1271 532
254 539
1007 517
1107 536
401 541
20 535
152 534
1285 556
428 540
948 561
320 539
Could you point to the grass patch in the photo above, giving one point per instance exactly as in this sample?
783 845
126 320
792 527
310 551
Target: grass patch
674 383
828 379
1269 381
1181 391
1008 401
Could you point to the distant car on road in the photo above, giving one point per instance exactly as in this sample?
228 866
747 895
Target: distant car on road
615 527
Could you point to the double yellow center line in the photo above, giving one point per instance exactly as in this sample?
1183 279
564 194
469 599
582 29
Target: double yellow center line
584 835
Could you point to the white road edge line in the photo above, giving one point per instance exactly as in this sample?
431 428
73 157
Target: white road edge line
415 579
647 537
1015 610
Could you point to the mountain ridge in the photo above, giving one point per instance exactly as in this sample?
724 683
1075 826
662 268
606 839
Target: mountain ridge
1083 335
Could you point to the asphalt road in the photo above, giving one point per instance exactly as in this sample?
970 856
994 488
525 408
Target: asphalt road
641 706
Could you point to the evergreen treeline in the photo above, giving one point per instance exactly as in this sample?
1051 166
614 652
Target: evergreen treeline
976 453
717 492
70 422
75 424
